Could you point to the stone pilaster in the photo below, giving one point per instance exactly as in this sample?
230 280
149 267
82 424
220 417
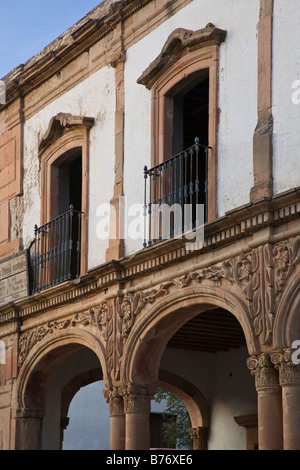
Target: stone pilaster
262 140
29 428
269 402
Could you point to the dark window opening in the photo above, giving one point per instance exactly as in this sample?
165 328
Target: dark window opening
70 184
57 249
190 114
182 179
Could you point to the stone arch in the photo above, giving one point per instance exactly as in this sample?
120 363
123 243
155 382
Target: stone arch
191 397
287 320
47 354
151 333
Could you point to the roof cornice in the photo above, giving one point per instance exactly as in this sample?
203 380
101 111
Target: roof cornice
67 47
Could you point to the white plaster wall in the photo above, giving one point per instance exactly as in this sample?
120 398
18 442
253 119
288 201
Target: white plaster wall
225 381
286 114
237 99
94 97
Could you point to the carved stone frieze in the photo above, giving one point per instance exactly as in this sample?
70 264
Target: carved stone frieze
93 316
259 277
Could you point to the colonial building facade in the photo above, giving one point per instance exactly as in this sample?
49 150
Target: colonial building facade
150 236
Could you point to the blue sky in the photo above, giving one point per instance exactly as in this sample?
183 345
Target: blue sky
27 26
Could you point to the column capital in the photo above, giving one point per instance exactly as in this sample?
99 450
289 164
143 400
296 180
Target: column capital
137 397
115 401
266 376
199 436
289 372
30 413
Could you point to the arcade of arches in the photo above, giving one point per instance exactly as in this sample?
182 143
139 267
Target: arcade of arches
201 330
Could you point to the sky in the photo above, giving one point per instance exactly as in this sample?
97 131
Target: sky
27 26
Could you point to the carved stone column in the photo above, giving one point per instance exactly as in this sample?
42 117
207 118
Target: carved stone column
269 402
117 419
289 378
137 406
29 428
199 436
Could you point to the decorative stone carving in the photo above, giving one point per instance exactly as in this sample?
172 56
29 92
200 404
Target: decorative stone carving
286 257
59 123
104 313
199 436
260 293
137 398
289 373
115 401
236 270
272 265
260 275
266 377
180 41
94 316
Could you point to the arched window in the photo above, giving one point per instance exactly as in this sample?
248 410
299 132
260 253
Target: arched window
60 250
184 84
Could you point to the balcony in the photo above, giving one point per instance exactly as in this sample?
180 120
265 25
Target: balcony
175 195
55 255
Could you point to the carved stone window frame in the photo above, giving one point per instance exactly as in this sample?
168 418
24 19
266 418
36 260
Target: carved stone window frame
184 54
65 133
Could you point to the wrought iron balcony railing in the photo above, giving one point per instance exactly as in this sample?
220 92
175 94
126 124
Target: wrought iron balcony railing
175 194
55 256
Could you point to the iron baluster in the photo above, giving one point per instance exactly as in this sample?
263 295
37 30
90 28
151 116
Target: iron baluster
145 206
206 184
154 208
159 204
149 207
57 250
191 188
69 245
172 205
78 245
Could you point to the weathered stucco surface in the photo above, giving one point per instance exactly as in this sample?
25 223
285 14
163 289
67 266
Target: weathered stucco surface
286 114
95 97
237 98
